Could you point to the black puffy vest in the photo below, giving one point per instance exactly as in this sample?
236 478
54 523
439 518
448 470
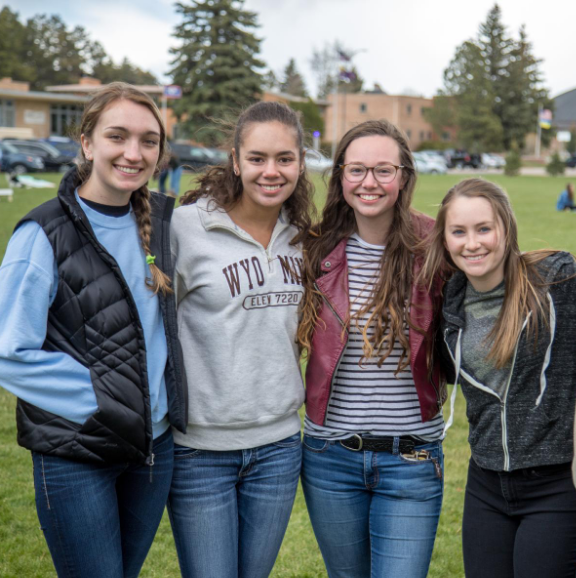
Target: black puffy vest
94 320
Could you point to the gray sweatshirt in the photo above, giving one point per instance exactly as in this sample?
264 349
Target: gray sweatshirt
237 318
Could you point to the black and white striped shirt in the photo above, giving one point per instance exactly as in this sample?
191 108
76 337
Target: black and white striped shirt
367 399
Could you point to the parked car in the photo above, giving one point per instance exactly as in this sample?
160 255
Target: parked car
434 155
316 161
428 165
493 161
220 157
53 160
66 146
16 162
459 159
571 161
196 158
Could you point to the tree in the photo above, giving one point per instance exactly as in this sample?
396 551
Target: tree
326 64
54 50
571 144
14 62
293 82
497 87
216 64
556 166
311 118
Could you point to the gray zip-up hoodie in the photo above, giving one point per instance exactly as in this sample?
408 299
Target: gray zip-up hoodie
237 306
530 423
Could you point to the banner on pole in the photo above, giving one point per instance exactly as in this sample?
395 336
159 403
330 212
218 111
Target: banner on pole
545 119
172 91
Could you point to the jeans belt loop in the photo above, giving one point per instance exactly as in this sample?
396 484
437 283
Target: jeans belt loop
396 446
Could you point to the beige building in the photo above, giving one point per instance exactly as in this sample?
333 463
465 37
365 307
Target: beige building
29 114
33 114
405 112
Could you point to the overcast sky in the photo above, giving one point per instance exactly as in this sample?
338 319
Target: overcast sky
403 46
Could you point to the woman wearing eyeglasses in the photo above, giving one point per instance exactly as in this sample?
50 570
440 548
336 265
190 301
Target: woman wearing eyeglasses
373 462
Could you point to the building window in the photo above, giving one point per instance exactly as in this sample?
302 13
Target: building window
446 137
63 118
409 133
429 135
409 109
7 113
421 135
363 107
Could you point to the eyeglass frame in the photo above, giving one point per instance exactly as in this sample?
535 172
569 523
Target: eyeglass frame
396 167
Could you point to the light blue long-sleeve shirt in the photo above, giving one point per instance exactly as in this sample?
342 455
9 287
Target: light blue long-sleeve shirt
54 381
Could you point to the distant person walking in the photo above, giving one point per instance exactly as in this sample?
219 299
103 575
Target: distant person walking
566 199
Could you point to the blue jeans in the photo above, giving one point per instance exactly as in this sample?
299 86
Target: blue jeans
374 514
229 509
175 177
99 519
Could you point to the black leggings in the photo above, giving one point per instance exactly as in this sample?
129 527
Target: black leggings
520 524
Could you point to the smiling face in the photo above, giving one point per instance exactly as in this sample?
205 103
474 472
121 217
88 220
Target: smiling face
124 148
474 237
373 202
269 163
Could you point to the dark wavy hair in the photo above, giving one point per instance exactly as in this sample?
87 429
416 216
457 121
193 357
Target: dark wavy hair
225 187
387 307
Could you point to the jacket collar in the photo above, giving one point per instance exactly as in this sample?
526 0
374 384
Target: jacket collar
454 293
335 258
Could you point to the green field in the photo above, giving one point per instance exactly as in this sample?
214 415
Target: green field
23 552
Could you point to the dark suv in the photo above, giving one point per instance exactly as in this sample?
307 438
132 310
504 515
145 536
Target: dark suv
571 162
459 159
54 161
194 157
14 161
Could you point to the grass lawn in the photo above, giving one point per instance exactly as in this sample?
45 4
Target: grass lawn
23 552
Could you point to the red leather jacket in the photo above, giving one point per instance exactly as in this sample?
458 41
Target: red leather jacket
331 334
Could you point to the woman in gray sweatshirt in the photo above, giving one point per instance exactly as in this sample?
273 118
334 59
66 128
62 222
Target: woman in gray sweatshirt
237 283
510 333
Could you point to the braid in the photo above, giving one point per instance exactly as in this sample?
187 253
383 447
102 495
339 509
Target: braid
142 210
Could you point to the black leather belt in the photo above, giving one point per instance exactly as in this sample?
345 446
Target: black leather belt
382 444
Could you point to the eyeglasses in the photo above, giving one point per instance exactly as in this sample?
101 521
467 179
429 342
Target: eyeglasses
356 173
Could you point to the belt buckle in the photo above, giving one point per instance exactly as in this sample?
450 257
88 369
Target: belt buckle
360 443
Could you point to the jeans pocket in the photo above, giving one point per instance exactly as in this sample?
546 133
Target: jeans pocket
316 445
289 442
425 453
182 452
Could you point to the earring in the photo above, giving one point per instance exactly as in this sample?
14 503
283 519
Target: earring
88 156
236 172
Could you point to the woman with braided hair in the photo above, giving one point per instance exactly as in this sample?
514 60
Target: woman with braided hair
88 343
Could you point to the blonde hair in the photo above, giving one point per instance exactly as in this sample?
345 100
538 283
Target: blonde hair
387 306
140 198
524 288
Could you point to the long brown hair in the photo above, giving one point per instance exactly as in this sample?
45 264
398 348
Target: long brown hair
140 198
225 187
389 313
524 289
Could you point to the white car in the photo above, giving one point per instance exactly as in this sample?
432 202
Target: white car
492 161
316 161
428 165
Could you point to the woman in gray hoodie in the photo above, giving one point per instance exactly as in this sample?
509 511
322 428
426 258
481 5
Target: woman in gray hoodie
237 284
509 330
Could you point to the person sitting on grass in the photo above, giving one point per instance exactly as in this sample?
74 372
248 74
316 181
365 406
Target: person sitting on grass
566 199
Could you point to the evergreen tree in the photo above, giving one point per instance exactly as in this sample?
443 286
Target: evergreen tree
498 78
270 81
293 82
216 65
